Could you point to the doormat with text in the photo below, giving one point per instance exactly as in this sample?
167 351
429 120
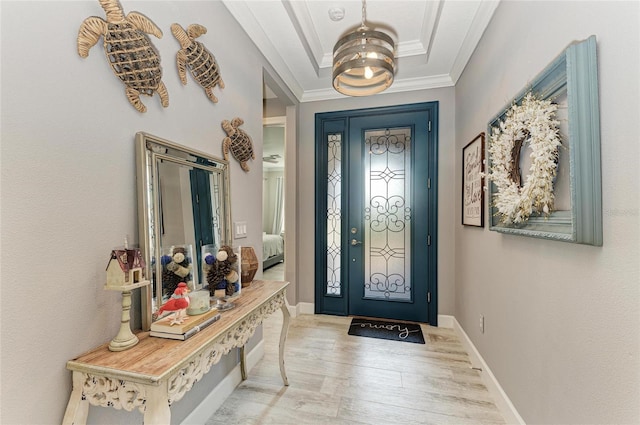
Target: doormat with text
395 331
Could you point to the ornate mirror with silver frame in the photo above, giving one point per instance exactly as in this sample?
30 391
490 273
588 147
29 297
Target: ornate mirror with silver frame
183 205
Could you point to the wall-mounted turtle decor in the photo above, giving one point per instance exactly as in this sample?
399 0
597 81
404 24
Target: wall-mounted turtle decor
201 62
128 49
238 141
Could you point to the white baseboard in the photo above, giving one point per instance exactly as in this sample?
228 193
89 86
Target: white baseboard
306 308
219 394
508 410
445 321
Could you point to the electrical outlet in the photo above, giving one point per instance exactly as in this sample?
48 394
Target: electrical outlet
481 323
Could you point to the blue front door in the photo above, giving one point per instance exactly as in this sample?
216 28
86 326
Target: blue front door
377 204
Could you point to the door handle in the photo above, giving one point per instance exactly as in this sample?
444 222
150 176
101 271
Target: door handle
355 242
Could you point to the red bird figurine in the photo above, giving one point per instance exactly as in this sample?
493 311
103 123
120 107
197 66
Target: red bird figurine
178 304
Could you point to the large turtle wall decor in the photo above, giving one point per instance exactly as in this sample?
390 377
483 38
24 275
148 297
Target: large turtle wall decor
238 142
128 49
201 62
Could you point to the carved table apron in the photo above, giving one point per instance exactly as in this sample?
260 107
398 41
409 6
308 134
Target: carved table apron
157 372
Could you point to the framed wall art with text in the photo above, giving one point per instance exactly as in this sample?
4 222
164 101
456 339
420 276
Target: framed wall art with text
472 182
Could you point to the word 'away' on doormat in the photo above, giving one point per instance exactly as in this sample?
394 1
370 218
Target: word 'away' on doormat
395 331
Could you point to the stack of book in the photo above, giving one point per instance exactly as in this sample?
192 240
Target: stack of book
162 328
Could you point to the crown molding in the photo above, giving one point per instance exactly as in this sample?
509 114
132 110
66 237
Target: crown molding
476 30
247 20
303 24
398 86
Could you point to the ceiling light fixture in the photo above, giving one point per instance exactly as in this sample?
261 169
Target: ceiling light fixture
363 61
274 158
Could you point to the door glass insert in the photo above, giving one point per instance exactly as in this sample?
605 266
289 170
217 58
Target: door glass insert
387 214
334 221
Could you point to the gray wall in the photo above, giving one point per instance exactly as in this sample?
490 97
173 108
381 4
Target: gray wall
562 321
68 184
447 191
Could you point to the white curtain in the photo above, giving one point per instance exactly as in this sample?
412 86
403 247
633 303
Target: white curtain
278 213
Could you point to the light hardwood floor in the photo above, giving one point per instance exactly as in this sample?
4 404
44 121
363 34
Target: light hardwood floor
340 379
275 272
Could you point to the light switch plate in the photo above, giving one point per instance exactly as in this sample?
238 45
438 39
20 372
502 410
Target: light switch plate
240 229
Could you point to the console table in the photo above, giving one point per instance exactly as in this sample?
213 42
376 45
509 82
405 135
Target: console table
157 371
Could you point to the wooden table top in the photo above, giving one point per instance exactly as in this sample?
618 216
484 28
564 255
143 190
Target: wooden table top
153 359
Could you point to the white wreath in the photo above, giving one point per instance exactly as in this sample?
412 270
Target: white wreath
533 122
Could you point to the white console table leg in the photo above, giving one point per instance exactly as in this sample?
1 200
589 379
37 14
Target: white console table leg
283 338
157 410
243 363
77 408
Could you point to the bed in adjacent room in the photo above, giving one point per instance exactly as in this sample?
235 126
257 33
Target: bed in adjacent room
272 250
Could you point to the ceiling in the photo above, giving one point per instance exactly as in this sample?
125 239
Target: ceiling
434 38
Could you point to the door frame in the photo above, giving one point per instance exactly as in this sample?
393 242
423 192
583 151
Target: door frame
339 122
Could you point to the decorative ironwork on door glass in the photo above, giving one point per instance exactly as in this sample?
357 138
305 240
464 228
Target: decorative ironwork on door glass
387 215
334 221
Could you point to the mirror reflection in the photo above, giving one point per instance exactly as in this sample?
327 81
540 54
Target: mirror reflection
183 207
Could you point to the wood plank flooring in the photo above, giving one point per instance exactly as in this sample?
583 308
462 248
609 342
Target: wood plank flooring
274 272
338 379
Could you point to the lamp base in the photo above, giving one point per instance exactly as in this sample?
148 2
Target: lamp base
117 344
125 338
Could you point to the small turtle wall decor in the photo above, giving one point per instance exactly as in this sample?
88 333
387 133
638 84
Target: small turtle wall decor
201 62
129 51
238 142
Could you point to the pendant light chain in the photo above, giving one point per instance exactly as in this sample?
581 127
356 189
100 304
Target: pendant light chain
364 13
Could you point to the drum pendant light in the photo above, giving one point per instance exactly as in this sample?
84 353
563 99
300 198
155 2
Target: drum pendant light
363 61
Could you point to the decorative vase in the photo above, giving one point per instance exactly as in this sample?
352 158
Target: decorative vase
249 265
221 267
208 255
176 267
